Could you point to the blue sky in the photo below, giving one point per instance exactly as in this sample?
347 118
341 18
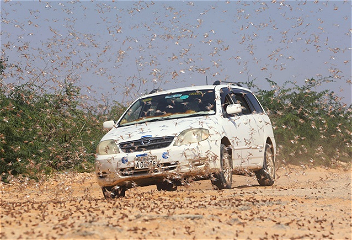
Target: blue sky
117 50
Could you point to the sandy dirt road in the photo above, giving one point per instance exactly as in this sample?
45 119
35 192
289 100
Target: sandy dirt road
303 203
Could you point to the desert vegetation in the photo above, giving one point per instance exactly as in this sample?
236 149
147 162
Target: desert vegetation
311 126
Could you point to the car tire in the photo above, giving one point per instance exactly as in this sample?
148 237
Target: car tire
223 179
114 192
166 186
266 175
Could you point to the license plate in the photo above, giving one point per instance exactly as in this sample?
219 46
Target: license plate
143 162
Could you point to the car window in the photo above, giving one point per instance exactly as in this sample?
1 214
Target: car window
253 100
239 98
227 101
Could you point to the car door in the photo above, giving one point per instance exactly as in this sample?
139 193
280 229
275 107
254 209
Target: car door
231 126
239 129
248 127
254 112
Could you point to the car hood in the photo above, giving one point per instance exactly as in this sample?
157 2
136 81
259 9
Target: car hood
171 127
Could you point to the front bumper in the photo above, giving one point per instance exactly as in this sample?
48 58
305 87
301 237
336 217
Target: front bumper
174 162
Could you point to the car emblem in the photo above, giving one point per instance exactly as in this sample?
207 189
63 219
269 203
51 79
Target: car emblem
165 155
124 160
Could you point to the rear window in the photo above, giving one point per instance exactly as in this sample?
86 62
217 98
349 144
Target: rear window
254 102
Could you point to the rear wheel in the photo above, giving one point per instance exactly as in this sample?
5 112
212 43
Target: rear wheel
223 179
114 192
266 175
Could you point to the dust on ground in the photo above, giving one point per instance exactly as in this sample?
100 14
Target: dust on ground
311 203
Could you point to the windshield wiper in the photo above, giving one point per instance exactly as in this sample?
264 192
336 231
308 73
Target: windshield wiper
141 121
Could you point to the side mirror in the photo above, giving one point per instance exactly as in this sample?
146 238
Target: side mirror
108 125
234 108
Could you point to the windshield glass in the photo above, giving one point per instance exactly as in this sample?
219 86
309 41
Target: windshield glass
169 106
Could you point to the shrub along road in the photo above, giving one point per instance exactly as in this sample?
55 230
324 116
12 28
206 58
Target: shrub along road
303 203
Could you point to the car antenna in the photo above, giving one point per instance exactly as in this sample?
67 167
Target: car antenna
206 80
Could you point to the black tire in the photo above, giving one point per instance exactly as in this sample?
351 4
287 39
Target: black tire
166 186
114 192
266 175
223 179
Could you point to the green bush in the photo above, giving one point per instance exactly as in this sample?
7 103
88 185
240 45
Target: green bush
310 126
40 134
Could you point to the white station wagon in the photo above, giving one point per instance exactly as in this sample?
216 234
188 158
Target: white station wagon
169 137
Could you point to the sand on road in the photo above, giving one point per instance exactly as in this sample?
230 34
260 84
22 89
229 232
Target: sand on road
311 203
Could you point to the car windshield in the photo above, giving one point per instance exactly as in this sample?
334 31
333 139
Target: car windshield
170 106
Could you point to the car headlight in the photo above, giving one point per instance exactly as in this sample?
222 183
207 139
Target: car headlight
107 147
192 136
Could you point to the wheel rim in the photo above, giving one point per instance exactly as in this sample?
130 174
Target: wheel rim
270 167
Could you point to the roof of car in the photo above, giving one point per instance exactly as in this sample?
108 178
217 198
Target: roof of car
201 87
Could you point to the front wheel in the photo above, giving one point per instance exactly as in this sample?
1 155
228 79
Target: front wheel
266 175
223 179
114 192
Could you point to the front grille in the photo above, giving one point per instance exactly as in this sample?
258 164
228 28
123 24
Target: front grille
146 143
